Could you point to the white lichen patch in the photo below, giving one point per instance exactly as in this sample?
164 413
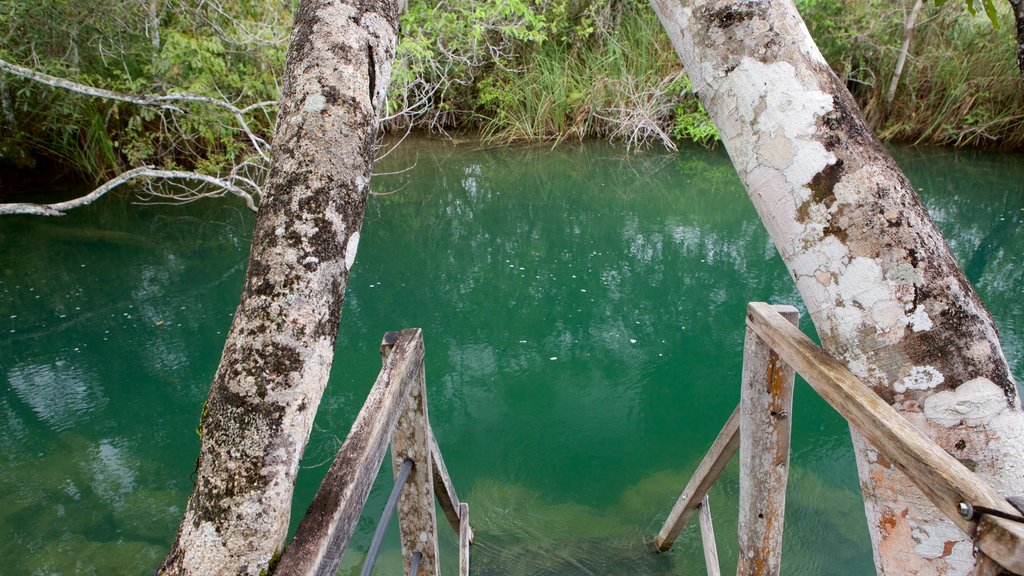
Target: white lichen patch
905 273
814 226
776 105
974 403
919 378
350 250
919 320
862 283
314 103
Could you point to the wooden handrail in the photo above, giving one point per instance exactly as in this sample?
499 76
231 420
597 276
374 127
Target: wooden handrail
445 491
939 476
326 528
395 411
710 468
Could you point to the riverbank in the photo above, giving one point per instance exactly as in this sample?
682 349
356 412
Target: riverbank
510 71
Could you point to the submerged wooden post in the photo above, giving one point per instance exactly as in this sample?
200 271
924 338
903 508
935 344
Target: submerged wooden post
707 472
707 536
766 401
417 519
465 539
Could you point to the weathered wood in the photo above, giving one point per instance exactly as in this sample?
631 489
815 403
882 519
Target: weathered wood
465 539
417 517
707 536
331 518
998 539
444 489
942 478
985 566
766 402
707 472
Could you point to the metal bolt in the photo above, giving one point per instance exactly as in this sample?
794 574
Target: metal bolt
966 510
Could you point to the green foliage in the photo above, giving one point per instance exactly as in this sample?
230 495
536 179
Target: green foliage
230 53
960 85
513 69
692 120
539 71
990 9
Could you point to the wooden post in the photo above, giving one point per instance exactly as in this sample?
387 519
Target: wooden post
417 519
465 539
707 536
939 476
985 566
331 518
766 402
707 472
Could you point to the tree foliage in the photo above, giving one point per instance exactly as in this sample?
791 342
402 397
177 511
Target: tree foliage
513 69
225 50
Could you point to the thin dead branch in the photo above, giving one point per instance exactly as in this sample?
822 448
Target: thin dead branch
233 184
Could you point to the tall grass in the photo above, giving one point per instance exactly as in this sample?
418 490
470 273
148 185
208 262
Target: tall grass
960 86
623 84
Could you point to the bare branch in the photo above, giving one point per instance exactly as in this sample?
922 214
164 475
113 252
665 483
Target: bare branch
221 185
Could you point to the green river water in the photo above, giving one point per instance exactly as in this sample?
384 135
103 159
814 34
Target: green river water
583 314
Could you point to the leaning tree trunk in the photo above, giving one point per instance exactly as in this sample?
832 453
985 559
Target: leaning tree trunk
279 350
882 287
1018 18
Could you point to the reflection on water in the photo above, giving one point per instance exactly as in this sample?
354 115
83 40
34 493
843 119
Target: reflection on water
583 316
59 394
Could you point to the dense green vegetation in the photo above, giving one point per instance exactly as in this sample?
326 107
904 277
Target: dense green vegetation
515 70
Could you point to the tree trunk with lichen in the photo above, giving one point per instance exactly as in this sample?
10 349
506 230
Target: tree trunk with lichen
884 291
279 350
1018 18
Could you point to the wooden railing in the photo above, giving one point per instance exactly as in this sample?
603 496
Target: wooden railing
395 411
760 429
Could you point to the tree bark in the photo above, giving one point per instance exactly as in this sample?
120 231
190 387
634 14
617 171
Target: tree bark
884 291
279 350
1018 18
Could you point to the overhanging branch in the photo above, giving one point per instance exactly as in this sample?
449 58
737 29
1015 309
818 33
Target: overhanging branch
221 185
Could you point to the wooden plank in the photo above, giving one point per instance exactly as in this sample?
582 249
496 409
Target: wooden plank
766 402
325 530
707 472
707 536
417 515
939 476
999 539
465 539
445 489
985 566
